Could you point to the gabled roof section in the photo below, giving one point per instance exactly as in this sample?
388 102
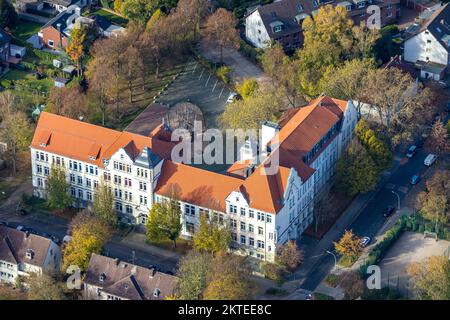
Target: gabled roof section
128 281
438 24
200 187
14 245
147 158
90 143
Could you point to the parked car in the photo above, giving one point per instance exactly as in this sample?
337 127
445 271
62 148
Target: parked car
430 159
365 241
389 211
415 179
411 151
3 223
67 239
232 97
20 228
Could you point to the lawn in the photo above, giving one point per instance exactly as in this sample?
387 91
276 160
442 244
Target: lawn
26 29
113 18
26 80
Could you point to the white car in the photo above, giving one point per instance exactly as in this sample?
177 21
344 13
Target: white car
233 96
430 159
365 241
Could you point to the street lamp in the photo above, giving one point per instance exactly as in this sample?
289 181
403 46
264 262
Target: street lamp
335 260
398 198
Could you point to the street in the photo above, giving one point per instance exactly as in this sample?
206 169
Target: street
371 219
117 247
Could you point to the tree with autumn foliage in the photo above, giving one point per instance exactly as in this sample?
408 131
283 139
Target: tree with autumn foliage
75 49
69 101
438 141
352 285
289 256
58 196
211 236
247 88
349 245
431 278
89 234
221 30
228 279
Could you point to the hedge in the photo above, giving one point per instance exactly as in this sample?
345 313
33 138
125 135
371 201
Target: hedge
379 250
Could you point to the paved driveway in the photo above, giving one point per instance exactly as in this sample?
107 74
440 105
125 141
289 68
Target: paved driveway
242 67
410 247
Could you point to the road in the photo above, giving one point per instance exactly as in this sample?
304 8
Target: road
371 219
116 247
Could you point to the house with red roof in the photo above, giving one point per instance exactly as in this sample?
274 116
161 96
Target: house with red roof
264 203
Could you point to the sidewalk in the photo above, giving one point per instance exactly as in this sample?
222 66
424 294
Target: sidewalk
315 251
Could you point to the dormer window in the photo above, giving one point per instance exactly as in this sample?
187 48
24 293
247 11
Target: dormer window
29 254
102 277
277 26
156 292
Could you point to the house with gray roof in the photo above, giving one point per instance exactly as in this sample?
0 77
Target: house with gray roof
112 279
23 253
429 46
281 21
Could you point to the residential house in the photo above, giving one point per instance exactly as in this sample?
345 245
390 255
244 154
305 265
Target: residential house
48 6
262 209
112 279
106 28
281 21
55 34
5 44
23 253
428 47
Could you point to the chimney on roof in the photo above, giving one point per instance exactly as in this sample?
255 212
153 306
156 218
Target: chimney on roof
116 261
268 131
152 272
58 26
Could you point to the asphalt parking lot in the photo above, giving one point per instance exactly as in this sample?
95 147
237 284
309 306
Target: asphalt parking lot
197 85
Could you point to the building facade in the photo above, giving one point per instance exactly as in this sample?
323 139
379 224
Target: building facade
281 21
22 254
262 209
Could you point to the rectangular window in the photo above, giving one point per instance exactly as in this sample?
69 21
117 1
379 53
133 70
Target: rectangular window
79 180
243 212
243 240
89 196
119 206
243 226
260 231
233 209
251 242
251 228
142 186
190 227
80 194
251 213
189 210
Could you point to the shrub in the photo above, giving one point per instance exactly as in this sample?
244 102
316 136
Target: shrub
378 251
332 280
223 73
273 272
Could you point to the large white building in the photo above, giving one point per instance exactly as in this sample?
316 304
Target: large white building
429 46
262 210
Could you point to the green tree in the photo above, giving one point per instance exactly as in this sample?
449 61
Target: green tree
247 88
89 235
211 236
8 16
431 278
58 196
104 204
250 113
164 221
156 16
356 171
138 11
192 272
377 149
